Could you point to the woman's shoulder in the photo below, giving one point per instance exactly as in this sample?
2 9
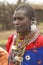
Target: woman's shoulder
40 41
9 42
40 38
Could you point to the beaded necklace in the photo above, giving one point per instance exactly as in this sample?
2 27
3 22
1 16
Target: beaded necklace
21 43
18 48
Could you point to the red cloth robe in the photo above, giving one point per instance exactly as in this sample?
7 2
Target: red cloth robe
35 44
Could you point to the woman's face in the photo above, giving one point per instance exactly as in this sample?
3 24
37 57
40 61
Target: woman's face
21 21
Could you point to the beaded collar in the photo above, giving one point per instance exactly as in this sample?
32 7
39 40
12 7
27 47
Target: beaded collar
18 49
21 43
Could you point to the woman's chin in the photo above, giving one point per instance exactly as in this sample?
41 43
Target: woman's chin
18 30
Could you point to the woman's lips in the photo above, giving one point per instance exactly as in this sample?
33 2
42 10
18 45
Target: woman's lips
17 27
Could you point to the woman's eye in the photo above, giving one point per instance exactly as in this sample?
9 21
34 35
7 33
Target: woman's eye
14 19
20 18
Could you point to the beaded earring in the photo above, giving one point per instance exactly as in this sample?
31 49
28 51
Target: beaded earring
33 26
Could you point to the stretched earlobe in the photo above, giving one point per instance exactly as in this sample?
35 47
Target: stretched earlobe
33 26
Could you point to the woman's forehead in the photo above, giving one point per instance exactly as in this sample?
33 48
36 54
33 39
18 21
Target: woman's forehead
19 12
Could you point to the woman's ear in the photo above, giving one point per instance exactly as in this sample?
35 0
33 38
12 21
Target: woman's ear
33 26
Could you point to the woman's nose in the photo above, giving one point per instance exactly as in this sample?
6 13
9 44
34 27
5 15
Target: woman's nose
16 22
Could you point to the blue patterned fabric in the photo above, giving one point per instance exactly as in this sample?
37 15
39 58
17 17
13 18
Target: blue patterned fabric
33 57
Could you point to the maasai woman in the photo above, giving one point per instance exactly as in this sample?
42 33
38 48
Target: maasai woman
25 47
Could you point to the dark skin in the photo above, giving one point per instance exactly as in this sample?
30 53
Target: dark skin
22 22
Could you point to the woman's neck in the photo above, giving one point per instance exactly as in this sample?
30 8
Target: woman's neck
24 34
